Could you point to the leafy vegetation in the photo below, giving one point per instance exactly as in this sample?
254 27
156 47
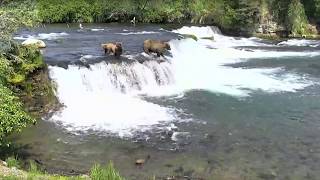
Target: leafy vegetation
17 66
234 15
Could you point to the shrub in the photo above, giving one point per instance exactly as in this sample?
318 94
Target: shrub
12 116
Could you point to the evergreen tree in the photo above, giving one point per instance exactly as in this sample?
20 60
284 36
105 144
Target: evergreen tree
297 19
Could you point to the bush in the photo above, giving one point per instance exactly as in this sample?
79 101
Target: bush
12 116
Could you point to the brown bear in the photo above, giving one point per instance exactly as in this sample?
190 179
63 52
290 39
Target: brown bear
114 48
155 46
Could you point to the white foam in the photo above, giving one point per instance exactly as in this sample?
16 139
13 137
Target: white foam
103 98
200 32
52 36
300 42
220 41
97 29
43 36
139 33
203 68
25 37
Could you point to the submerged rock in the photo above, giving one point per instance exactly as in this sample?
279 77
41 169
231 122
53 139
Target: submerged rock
208 38
34 42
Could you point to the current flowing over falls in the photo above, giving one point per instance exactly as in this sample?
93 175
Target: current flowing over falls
110 96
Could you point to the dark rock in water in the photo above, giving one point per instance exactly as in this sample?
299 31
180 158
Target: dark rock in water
161 61
179 170
141 61
208 38
169 133
38 161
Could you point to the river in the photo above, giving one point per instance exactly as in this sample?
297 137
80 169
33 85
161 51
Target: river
228 108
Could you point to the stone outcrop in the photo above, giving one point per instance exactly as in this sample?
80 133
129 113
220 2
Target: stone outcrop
34 42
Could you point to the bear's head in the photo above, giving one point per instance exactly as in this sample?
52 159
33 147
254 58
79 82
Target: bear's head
167 45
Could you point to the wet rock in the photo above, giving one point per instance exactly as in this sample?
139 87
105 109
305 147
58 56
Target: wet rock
169 133
3 163
191 36
34 42
140 162
268 176
208 38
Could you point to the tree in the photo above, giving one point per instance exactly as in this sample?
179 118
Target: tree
297 19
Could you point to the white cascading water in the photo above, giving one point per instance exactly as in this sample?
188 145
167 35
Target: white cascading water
43 36
104 96
107 97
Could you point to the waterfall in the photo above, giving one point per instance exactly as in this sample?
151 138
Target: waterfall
104 96
110 96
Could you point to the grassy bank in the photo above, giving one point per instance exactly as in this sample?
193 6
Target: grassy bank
9 170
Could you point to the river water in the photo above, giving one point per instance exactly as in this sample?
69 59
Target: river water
228 108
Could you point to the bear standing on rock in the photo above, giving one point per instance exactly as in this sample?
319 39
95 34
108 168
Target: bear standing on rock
155 46
114 48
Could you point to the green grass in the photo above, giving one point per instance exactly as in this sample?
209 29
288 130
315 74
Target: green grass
99 172
13 162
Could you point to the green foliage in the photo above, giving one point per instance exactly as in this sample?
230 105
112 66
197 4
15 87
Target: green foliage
98 172
12 116
33 168
5 70
312 8
17 14
297 19
13 162
16 65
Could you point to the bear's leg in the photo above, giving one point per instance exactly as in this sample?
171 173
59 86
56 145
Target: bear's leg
146 50
109 51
